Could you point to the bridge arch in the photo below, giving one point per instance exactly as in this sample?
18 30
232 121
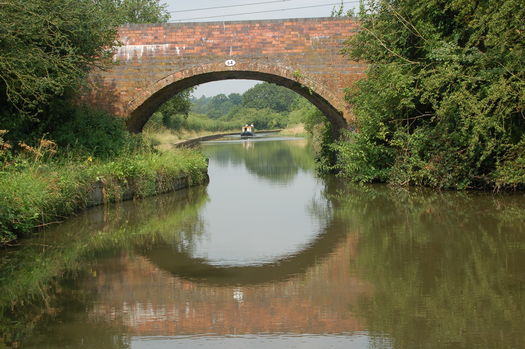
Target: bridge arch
151 98
157 60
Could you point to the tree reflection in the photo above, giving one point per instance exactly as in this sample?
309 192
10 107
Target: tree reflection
447 268
277 162
39 281
442 270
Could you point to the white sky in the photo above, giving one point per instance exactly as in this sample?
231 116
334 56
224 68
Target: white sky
179 10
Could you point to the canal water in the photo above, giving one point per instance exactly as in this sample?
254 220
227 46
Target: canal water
269 255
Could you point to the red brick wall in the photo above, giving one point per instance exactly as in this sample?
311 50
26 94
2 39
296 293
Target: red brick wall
158 60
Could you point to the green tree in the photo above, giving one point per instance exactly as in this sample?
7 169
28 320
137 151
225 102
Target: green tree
219 106
46 47
266 95
136 11
176 110
444 101
235 98
179 104
272 107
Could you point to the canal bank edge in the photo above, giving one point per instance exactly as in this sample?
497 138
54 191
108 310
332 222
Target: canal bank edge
195 141
48 193
103 192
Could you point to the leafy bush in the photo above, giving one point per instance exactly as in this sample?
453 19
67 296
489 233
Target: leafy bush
93 132
444 100
362 160
47 48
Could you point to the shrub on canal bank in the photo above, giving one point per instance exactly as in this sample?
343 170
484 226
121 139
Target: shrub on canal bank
443 102
36 192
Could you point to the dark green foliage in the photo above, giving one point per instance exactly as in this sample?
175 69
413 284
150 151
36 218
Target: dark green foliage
93 132
175 110
265 105
174 113
266 95
179 104
75 129
444 101
235 98
263 96
319 129
218 106
174 122
46 47
361 160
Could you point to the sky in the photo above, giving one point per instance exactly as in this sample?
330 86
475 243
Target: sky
237 10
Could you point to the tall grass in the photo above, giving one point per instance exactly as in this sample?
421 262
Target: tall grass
44 180
193 122
36 193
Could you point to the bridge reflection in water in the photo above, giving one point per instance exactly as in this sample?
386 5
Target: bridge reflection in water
147 268
385 268
318 301
168 291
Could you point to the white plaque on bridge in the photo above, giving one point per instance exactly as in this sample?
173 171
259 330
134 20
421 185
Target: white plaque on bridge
230 63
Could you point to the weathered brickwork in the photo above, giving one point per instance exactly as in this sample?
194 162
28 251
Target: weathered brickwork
156 61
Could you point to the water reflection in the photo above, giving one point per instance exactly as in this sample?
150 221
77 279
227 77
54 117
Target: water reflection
179 262
255 218
39 281
446 268
375 267
275 159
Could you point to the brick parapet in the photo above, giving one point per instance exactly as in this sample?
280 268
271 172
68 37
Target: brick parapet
153 56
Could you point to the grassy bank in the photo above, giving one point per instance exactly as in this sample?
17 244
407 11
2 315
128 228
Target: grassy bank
165 139
37 193
297 130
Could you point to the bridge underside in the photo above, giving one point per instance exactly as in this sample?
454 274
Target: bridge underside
156 62
140 115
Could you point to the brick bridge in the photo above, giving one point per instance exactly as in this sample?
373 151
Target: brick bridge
156 61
